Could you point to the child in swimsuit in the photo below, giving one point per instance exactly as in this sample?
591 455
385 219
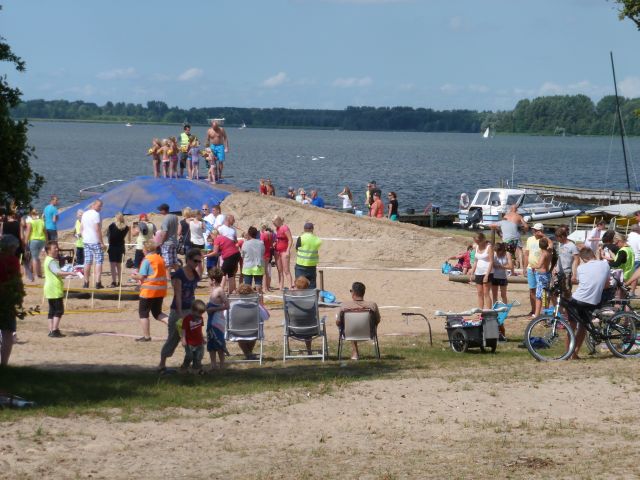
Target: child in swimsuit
194 157
211 158
173 156
153 152
164 153
218 303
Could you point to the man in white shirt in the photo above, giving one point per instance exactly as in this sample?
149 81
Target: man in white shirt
91 225
219 216
592 276
227 229
594 236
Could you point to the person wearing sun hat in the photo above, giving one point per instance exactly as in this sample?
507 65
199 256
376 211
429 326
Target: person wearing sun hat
531 259
307 246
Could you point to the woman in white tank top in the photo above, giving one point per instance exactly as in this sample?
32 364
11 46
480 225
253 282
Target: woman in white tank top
481 273
196 226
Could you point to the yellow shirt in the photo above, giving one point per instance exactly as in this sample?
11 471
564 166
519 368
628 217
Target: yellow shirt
533 247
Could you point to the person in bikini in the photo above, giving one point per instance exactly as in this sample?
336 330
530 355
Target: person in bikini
219 144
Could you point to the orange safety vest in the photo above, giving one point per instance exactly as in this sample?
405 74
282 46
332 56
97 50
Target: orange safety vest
155 286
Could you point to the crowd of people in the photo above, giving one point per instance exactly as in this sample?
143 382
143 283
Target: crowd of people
172 156
174 255
604 264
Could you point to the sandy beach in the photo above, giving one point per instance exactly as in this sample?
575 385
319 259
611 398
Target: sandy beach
469 416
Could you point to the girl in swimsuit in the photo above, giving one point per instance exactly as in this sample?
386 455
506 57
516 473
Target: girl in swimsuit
173 156
164 153
284 241
153 152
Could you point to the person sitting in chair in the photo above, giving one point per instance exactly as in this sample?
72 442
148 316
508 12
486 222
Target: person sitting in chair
357 303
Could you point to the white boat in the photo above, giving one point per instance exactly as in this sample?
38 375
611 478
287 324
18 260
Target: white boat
128 125
220 121
486 133
490 204
244 125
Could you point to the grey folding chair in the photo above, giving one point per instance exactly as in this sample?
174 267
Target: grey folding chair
302 322
358 326
243 321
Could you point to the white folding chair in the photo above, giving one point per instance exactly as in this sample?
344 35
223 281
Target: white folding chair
358 326
302 322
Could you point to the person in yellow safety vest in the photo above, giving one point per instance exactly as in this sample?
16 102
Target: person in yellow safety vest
54 288
624 258
185 139
154 277
307 258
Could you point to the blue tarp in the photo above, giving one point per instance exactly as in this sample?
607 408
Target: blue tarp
144 194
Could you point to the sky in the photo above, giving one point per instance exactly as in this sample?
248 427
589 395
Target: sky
329 54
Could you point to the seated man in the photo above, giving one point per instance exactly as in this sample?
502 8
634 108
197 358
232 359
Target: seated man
592 277
358 303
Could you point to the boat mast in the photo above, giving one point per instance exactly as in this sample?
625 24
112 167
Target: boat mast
624 149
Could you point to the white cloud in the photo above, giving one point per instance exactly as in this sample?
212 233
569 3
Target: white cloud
449 88
190 74
352 82
118 74
277 80
630 87
406 87
584 87
368 2
456 24
478 88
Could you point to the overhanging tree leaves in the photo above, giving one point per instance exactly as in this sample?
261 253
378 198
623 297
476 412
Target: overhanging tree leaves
17 181
629 9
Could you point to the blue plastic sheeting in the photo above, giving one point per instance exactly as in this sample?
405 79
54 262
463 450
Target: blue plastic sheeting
144 195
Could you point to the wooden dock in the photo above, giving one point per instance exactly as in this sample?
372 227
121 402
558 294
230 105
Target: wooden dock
583 195
434 220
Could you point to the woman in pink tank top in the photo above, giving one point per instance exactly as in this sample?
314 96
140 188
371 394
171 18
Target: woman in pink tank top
284 242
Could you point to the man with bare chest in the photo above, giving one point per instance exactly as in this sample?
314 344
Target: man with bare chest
217 138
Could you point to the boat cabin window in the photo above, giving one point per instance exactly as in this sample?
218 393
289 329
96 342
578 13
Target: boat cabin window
494 199
482 198
513 199
532 198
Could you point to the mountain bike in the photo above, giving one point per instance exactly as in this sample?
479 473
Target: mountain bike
551 337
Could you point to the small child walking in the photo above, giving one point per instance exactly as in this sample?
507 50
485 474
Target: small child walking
54 288
218 303
191 337
194 158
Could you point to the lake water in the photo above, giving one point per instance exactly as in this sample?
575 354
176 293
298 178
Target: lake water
419 167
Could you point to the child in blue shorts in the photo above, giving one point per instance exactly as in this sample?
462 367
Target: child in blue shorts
542 273
218 303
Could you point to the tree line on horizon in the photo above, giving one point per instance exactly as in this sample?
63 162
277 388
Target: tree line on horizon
559 114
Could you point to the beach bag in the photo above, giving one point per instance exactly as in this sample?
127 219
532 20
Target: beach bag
327 297
446 268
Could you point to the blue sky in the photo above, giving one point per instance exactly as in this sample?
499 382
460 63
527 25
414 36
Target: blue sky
441 54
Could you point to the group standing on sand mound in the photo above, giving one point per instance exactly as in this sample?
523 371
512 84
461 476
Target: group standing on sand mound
171 157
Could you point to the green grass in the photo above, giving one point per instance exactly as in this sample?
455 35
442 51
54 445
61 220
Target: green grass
133 392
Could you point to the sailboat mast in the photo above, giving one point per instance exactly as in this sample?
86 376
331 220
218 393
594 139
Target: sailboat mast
624 148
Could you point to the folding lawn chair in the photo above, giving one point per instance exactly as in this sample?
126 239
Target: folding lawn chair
302 322
358 326
243 321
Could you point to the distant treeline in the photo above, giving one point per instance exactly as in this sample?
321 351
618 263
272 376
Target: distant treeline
571 115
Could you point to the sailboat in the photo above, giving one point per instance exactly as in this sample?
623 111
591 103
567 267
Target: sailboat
486 133
244 125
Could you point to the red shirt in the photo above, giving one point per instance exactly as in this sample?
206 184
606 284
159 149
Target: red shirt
282 242
263 189
225 246
192 327
267 239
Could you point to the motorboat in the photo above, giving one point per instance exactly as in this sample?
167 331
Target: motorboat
128 125
490 204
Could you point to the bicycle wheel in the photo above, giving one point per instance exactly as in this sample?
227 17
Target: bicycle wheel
549 338
591 344
620 334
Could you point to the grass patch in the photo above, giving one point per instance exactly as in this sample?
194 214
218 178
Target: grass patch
128 394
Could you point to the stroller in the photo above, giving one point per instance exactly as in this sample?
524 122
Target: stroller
479 331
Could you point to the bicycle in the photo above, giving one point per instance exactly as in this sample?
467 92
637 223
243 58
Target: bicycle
551 337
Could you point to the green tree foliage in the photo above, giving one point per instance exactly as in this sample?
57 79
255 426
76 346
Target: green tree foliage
629 9
17 181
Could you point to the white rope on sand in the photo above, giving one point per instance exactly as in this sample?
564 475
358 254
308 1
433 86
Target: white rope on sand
383 269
